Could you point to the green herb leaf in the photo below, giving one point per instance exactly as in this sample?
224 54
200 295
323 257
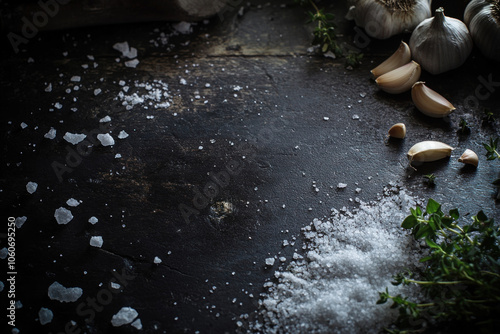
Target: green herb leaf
432 206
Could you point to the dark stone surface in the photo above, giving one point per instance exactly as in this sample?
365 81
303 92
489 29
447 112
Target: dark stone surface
272 134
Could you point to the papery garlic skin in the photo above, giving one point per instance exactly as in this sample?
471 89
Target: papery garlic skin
469 157
401 79
440 43
429 150
430 102
385 18
398 130
483 20
399 58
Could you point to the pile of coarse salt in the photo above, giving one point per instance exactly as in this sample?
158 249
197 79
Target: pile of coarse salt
349 258
155 95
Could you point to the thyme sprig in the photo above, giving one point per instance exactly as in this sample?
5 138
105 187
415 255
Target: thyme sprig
461 278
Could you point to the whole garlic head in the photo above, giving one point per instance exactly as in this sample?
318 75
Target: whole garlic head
385 18
483 19
441 43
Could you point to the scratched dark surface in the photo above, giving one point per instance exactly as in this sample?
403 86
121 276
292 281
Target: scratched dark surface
269 139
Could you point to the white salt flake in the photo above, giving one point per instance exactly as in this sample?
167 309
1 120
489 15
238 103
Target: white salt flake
63 216
182 27
48 89
106 139
270 261
131 53
157 260
355 117
58 105
75 78
45 316
329 54
64 295
97 91
121 47
72 202
20 221
24 125
31 187
51 134
74 138
122 134
93 220
137 324
125 316
341 185
118 156
115 286
105 119
96 241
132 63
183 81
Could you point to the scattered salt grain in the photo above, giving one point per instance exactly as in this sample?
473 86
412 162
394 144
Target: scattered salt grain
137 324
51 134
115 286
72 202
121 47
64 295
31 187
20 221
121 83
355 117
93 220
125 316
326 118
106 139
183 81
3 253
58 105
122 134
329 54
45 316
74 138
182 27
48 89
341 185
132 63
118 156
63 216
131 53
97 91
96 241
270 261
157 260
105 119
75 78
24 125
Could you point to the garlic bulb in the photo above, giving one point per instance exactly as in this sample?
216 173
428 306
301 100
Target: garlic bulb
385 18
483 19
429 102
399 80
440 43
399 58
469 157
429 150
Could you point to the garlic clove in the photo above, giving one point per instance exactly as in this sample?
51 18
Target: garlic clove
399 58
398 130
401 79
440 43
429 102
429 150
469 157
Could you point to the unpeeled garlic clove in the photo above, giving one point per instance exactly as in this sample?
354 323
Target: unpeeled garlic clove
399 58
401 79
398 130
429 150
469 157
430 102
